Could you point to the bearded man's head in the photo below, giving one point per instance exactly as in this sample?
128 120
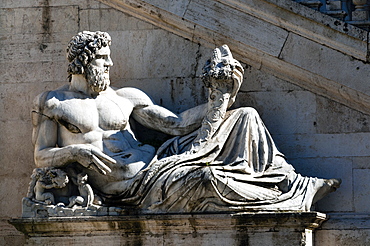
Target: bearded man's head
81 51
97 77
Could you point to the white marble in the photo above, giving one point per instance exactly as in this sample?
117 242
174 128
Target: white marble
262 228
220 160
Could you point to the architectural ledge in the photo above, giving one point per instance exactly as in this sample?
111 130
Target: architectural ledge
266 34
264 228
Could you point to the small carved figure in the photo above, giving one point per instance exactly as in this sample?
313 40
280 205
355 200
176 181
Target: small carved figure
86 197
46 179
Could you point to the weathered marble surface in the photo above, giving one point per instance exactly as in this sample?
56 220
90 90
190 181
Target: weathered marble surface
262 228
313 148
220 160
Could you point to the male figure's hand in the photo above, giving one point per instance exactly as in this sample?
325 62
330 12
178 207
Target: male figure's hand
92 157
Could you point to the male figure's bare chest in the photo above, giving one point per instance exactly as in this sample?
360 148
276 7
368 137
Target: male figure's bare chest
113 111
91 114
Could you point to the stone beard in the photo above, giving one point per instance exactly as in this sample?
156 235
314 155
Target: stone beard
97 77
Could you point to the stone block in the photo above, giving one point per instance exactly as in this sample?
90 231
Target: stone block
324 61
18 158
110 20
178 7
22 20
13 188
323 145
347 237
176 93
361 162
40 40
11 94
151 46
30 52
14 130
344 229
333 5
333 117
361 190
52 3
86 4
256 80
26 4
283 112
9 235
264 228
238 25
63 19
37 20
33 72
360 15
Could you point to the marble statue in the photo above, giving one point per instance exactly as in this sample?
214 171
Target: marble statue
218 160
43 179
86 194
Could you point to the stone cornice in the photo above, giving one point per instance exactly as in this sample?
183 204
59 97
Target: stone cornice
308 23
173 223
257 33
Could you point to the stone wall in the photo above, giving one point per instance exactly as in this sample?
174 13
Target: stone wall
34 35
320 137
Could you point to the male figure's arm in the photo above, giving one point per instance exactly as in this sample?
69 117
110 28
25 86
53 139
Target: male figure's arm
45 139
223 76
162 119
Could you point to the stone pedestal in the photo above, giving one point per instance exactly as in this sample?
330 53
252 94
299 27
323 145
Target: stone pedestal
360 15
262 228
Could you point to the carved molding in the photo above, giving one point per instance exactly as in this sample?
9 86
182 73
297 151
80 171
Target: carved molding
273 14
159 223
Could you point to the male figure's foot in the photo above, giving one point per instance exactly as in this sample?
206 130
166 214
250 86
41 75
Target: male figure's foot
328 186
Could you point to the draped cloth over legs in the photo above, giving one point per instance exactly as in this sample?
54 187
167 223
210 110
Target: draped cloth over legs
238 169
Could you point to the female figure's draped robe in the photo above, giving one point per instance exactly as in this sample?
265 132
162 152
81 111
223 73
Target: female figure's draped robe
238 169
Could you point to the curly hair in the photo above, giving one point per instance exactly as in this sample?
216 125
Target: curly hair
81 50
